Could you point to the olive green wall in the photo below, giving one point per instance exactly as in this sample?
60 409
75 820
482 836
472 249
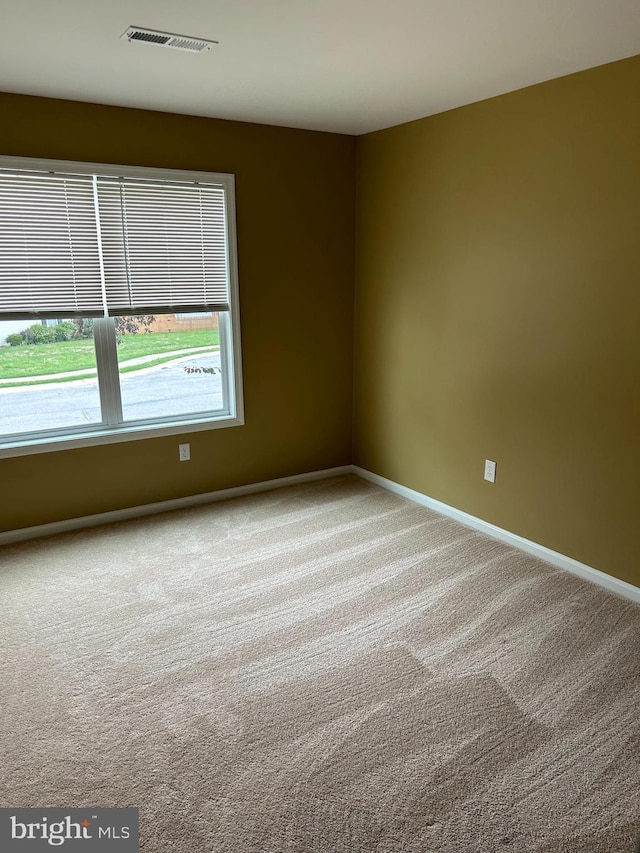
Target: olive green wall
295 204
498 308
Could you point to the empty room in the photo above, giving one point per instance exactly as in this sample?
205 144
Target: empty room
320 426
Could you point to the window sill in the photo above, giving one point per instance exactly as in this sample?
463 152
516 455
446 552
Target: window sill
27 447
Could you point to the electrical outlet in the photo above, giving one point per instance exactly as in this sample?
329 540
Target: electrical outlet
185 452
489 470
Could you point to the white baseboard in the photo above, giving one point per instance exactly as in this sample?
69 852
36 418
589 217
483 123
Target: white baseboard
54 527
626 590
610 583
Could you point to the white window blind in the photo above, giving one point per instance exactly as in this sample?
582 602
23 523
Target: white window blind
85 245
164 246
49 259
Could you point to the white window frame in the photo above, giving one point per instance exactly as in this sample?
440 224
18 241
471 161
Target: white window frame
106 355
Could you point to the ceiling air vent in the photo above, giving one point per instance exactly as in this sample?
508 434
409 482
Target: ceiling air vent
145 36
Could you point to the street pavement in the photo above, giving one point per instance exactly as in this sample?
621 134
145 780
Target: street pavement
163 391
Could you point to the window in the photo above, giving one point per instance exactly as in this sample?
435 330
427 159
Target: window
118 304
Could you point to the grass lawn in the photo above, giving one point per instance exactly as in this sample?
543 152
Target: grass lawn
25 383
40 360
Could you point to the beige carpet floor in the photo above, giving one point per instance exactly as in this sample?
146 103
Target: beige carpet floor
321 668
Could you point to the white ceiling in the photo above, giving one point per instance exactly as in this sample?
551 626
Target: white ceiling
349 66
